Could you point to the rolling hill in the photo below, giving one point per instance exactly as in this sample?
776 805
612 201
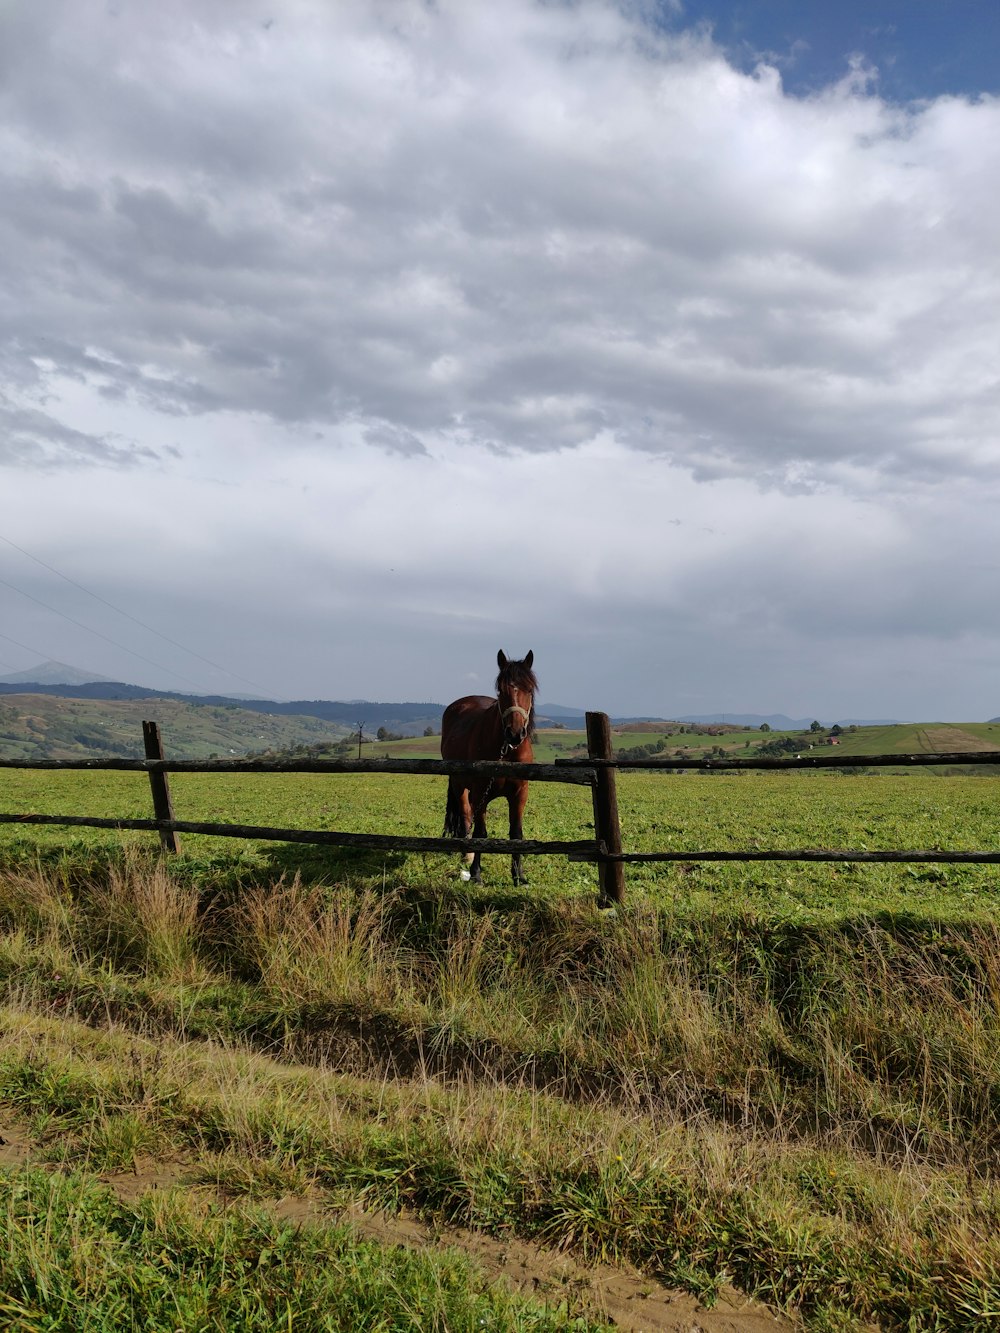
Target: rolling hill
62 718
45 726
407 718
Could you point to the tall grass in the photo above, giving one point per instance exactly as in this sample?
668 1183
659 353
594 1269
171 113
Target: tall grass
813 1109
142 917
306 947
880 1035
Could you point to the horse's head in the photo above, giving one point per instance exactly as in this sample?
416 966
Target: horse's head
516 686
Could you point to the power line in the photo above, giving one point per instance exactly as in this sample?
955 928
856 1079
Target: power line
36 652
80 625
128 616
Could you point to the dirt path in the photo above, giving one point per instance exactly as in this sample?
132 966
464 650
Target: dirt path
621 1296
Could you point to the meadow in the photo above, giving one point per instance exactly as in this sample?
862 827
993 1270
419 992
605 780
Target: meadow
781 1077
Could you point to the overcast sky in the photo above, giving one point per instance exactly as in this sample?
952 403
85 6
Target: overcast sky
345 343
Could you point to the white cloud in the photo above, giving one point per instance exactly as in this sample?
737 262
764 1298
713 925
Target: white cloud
445 321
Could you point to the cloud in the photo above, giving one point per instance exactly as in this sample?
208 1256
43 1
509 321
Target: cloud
520 229
33 438
336 328
398 575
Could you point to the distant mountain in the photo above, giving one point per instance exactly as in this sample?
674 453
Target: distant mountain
52 673
407 719
558 710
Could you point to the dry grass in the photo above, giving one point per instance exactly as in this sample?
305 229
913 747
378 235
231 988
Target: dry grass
309 948
690 1200
812 1111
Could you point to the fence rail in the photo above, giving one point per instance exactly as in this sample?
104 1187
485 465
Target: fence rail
614 858
717 765
582 774
157 766
794 854
580 849
597 771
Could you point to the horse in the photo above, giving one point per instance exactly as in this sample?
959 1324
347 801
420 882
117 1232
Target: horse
478 727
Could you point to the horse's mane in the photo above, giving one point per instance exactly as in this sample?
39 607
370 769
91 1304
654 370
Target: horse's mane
519 677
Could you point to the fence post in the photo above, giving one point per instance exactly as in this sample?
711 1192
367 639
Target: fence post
162 805
611 874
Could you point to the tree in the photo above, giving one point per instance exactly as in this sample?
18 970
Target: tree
428 731
765 726
779 748
815 726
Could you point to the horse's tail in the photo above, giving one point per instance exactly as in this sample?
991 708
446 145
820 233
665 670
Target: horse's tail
454 819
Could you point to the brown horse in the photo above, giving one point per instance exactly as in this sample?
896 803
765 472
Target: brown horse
478 727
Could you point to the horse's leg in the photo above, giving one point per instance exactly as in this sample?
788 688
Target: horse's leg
458 816
479 803
516 801
471 867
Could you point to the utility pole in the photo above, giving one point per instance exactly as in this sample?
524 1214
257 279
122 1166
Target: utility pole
361 732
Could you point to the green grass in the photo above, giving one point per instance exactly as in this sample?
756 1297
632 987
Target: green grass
801 1221
692 812
74 1257
784 1074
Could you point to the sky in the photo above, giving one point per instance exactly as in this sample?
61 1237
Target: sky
342 345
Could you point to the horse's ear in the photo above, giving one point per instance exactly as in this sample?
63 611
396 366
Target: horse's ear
501 659
529 659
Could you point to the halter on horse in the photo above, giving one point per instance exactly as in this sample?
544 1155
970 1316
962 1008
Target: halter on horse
478 727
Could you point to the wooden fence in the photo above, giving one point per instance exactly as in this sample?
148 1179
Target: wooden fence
157 766
597 771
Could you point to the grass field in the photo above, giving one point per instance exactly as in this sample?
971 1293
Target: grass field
780 1076
880 810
